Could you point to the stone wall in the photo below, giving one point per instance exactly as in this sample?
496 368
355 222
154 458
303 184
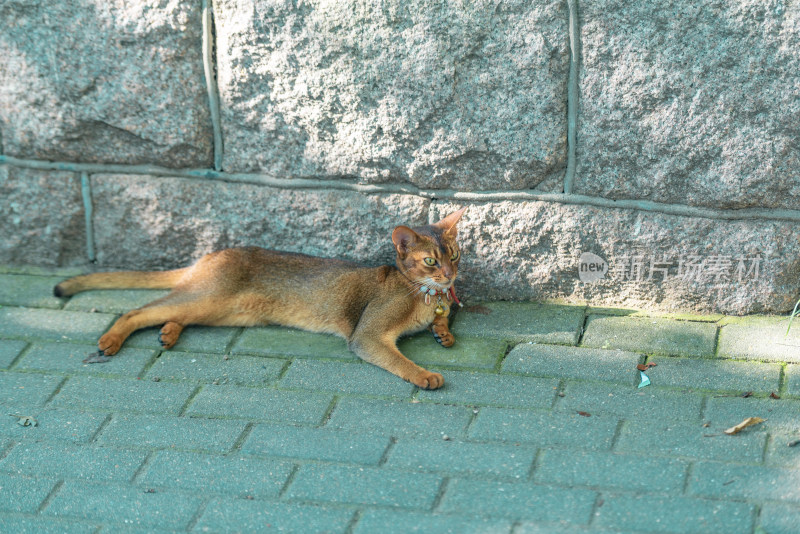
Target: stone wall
616 153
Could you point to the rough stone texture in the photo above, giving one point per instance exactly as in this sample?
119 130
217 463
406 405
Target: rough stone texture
168 222
691 103
41 220
465 95
117 81
531 250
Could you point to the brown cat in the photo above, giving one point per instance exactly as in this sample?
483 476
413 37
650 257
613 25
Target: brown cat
370 307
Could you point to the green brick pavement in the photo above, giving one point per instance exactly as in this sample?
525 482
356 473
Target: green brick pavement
55 325
651 335
518 322
676 515
760 338
29 291
540 426
9 351
124 504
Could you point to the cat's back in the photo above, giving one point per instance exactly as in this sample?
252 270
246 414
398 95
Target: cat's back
249 266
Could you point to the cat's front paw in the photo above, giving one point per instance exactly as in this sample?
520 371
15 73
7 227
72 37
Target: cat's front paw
443 336
427 380
445 340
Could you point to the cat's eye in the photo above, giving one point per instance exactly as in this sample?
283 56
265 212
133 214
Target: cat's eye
455 255
430 261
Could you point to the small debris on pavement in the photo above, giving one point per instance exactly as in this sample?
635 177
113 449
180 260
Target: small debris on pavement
97 357
750 421
793 443
641 367
747 394
774 395
585 414
24 420
645 380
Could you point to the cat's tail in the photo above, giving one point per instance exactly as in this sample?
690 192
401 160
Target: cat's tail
120 280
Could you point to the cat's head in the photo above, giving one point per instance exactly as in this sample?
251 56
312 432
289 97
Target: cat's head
429 255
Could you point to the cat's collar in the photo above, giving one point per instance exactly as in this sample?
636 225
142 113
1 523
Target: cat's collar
449 293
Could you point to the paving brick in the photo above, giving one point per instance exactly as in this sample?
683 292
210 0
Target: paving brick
117 301
242 370
679 515
779 518
522 321
779 454
36 525
9 350
279 341
194 338
468 352
665 438
259 404
751 482
364 485
793 380
26 391
716 374
400 418
556 528
610 471
464 387
123 504
572 362
522 501
630 402
779 414
315 443
222 514
68 358
150 431
760 338
462 457
29 291
54 325
143 396
245 477
66 460
23 494
55 425
340 377
402 522
651 335
544 428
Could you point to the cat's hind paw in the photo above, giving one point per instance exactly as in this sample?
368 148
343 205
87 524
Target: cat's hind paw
428 380
169 334
109 344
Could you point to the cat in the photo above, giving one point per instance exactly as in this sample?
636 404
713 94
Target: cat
370 307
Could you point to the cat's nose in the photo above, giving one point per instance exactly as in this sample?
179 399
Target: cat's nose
447 272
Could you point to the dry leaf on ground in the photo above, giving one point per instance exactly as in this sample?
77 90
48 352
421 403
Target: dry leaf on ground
750 421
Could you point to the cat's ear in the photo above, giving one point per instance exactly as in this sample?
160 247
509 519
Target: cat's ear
448 224
404 238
